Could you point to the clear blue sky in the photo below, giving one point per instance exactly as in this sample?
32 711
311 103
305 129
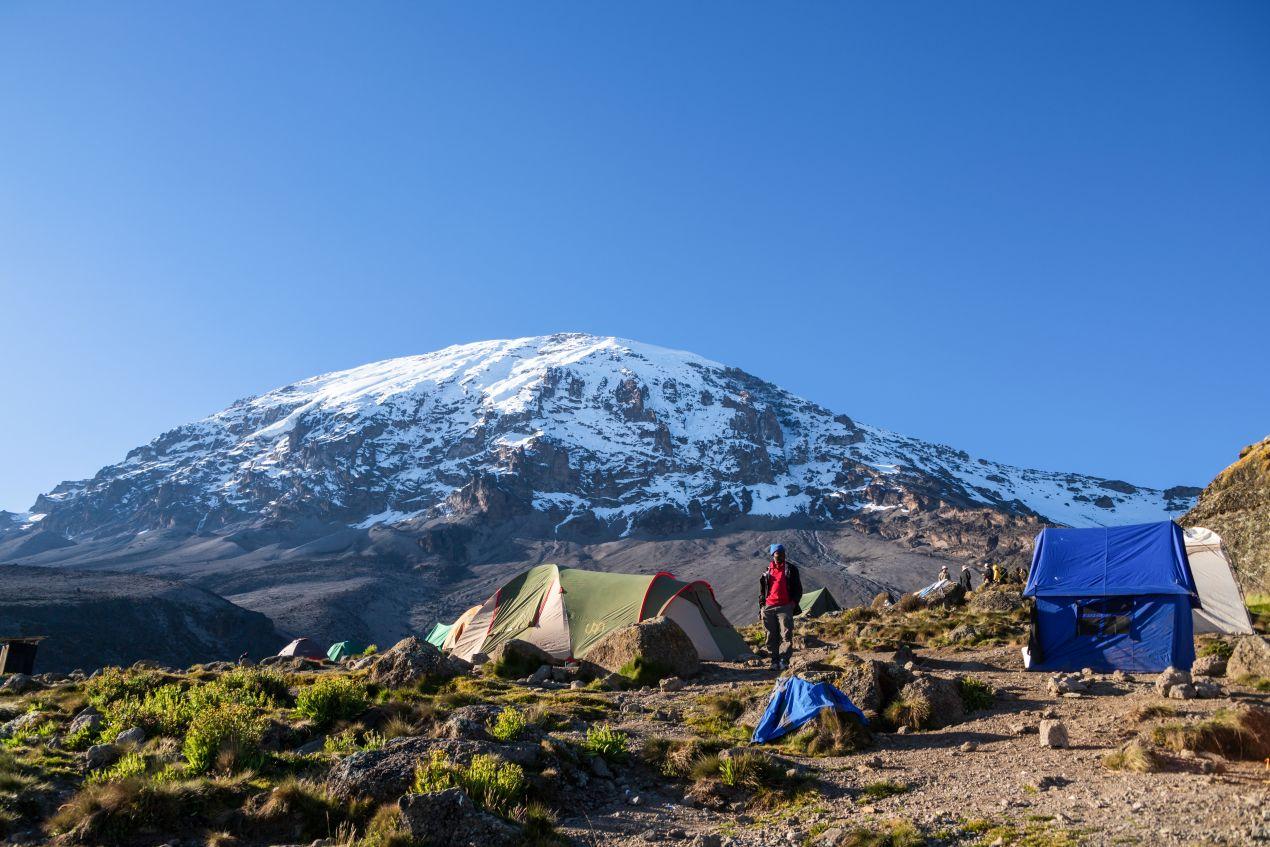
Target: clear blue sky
1036 231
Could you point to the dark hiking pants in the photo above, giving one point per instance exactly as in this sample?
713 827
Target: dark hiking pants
779 623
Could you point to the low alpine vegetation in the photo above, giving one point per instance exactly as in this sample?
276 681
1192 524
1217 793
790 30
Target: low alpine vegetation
606 742
493 784
331 699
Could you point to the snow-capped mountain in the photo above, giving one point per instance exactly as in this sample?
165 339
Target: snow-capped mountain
594 437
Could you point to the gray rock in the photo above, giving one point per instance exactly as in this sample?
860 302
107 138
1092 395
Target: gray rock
1067 683
1121 677
1183 691
541 675
1209 666
19 683
671 684
1251 657
88 719
1208 690
942 698
469 722
1053 734
658 641
1170 677
101 755
388 772
132 735
865 681
21 722
408 662
576 684
520 654
317 745
600 768
450 819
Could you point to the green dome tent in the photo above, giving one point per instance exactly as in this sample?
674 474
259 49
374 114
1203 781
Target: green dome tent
440 631
566 611
342 650
816 603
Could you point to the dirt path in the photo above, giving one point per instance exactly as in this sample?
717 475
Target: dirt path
990 768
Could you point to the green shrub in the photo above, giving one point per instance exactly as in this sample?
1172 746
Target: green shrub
508 725
606 742
331 698
129 765
832 733
370 650
493 784
975 694
754 771
227 737
113 684
263 685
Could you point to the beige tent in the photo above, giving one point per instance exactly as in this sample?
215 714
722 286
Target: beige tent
457 628
566 611
1222 607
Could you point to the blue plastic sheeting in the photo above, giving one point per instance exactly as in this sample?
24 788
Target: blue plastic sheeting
1115 598
1109 561
794 701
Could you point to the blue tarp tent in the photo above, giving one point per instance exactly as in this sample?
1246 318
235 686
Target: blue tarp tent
794 701
1111 598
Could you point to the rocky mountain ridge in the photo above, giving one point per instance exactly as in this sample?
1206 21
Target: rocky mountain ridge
1236 505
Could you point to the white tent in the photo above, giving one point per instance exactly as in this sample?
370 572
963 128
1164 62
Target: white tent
1222 606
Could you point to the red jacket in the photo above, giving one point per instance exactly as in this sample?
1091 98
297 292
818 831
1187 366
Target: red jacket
771 585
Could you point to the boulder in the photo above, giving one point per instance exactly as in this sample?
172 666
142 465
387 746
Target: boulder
1208 690
940 700
132 735
672 684
963 633
866 683
388 772
21 722
996 600
1170 677
409 662
101 756
469 722
1053 734
1251 657
89 719
659 642
1182 691
901 656
450 819
19 683
1209 666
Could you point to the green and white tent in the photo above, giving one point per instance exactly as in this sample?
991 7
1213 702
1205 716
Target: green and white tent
816 603
565 611
440 631
342 649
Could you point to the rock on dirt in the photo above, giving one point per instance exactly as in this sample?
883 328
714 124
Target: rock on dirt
1053 734
1251 657
658 641
101 755
450 819
941 696
387 773
408 662
1067 683
1209 666
89 719
1169 678
520 654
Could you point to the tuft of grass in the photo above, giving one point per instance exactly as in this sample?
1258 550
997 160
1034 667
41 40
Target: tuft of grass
910 603
832 733
882 789
1236 734
385 830
914 714
129 765
604 741
1216 647
493 784
976 694
1135 757
676 757
895 833
331 698
753 771
1142 714
643 673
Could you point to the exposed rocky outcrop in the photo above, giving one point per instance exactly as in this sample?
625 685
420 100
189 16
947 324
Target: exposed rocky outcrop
1236 505
658 642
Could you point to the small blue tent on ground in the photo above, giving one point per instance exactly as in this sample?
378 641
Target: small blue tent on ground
794 701
1111 598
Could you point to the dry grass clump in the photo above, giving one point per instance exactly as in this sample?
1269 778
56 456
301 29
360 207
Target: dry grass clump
114 812
832 733
1142 714
677 757
910 603
1134 756
1236 734
914 714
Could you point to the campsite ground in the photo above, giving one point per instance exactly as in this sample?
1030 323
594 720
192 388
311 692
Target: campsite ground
1009 787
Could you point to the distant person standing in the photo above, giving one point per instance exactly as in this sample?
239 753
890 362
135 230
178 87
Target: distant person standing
943 573
780 590
964 580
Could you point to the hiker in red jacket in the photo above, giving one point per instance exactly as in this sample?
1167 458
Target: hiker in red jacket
780 590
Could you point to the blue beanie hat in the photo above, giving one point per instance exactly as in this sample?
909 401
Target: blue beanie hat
775 548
